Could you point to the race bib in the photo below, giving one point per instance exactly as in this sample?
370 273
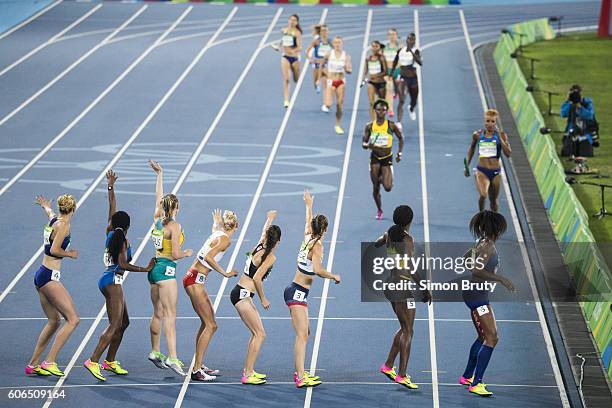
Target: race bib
170 270
482 310
374 67
157 236
56 275
118 279
247 265
47 235
107 259
406 58
299 296
335 66
390 54
200 278
411 304
287 40
381 140
324 49
244 294
487 149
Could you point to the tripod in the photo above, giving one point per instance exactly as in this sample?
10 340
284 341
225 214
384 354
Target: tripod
602 212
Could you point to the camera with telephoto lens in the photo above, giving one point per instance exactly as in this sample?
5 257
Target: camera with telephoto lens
574 96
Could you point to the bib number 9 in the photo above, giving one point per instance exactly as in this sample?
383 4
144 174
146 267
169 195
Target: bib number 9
157 236
56 275
200 278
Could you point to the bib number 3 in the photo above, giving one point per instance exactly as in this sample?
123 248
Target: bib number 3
299 296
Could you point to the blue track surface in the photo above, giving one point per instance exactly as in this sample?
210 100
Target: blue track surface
355 336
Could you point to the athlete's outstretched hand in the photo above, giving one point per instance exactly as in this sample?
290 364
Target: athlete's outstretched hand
111 177
157 168
43 202
308 199
336 278
508 284
272 214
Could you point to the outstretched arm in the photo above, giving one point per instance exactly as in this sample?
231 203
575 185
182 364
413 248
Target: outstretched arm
308 201
271 216
317 264
111 177
45 205
159 189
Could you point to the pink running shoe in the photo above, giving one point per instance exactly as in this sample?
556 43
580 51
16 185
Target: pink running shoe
466 381
379 214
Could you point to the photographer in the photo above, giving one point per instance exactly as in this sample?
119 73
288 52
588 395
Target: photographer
581 129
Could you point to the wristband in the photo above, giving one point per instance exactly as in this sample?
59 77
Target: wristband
110 188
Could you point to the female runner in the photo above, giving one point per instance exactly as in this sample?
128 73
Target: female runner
317 50
491 142
291 43
258 266
337 63
208 258
55 300
310 258
409 82
393 75
375 69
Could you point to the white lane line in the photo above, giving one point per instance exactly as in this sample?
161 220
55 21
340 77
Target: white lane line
519 234
426 237
254 201
159 105
369 319
338 214
92 187
50 40
29 20
215 384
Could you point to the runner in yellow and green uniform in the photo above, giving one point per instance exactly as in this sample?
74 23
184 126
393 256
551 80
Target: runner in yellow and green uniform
378 138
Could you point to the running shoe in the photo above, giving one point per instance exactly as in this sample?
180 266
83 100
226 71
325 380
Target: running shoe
94 369
114 367
480 389
379 215
252 379
306 381
406 382
389 372
466 381
259 375
412 114
211 371
339 130
286 104
391 114
200 375
175 365
324 108
52 368
318 88
306 374
30 369
158 359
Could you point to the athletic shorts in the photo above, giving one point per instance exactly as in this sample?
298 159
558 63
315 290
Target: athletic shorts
378 85
109 278
45 275
239 293
296 295
410 81
383 161
474 299
164 269
335 83
193 276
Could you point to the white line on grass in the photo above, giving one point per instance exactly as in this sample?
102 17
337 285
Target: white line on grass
29 20
50 40
121 151
251 211
511 204
424 195
338 214
186 72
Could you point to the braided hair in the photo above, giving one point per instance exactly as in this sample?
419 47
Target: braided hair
273 235
120 221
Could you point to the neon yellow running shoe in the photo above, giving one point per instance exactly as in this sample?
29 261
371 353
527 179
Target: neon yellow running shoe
259 375
94 369
114 366
252 379
30 369
312 377
306 381
52 368
480 389
406 382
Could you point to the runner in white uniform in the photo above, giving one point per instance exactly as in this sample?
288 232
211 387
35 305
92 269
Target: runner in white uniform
208 259
337 64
